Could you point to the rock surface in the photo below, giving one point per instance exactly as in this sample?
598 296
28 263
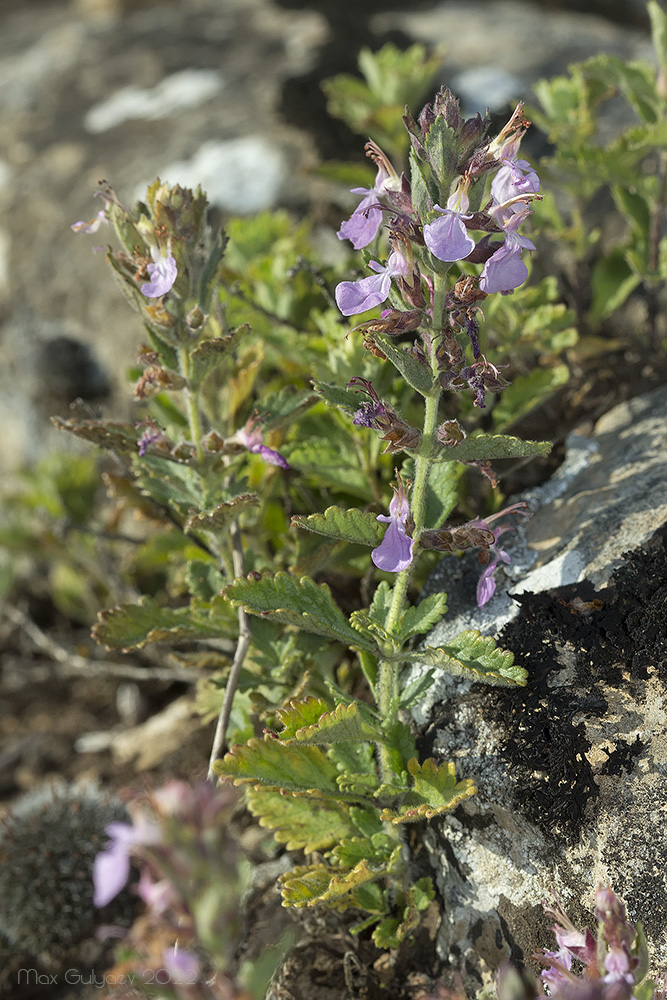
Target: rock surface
570 771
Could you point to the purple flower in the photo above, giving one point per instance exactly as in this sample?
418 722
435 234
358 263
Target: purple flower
486 586
111 867
447 238
363 224
515 177
92 226
250 437
505 269
162 272
354 297
394 553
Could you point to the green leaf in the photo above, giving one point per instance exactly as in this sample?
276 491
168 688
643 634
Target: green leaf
297 714
401 748
210 355
131 626
219 518
414 373
435 791
422 198
659 32
301 602
281 407
268 762
334 395
343 724
330 461
613 280
299 823
367 821
441 489
114 435
485 447
376 850
526 391
321 884
416 690
356 526
442 150
381 603
424 616
474 656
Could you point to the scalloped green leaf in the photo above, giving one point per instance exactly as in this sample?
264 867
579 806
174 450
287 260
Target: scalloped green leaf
414 373
381 602
132 626
435 791
299 823
293 601
474 656
114 435
297 714
269 762
331 461
369 628
344 724
355 526
424 616
310 886
377 850
218 518
486 447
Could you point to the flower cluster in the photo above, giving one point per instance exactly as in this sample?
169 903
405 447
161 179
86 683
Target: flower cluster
448 235
611 964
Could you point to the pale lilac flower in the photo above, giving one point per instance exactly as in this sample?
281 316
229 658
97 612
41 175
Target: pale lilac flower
92 226
362 226
505 269
447 238
394 553
250 437
162 272
111 867
486 586
354 297
515 177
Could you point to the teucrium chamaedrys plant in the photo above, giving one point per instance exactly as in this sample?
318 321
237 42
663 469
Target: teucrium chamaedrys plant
342 774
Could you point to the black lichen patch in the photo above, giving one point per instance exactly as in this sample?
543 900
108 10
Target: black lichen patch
603 647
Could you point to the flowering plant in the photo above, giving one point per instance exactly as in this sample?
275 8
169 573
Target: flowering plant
334 772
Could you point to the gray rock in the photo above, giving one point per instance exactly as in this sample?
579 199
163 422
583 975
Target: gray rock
570 771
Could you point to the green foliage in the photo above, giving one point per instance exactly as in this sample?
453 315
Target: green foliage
131 626
629 163
374 106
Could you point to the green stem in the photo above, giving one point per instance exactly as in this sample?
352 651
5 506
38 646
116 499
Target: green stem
194 419
389 669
